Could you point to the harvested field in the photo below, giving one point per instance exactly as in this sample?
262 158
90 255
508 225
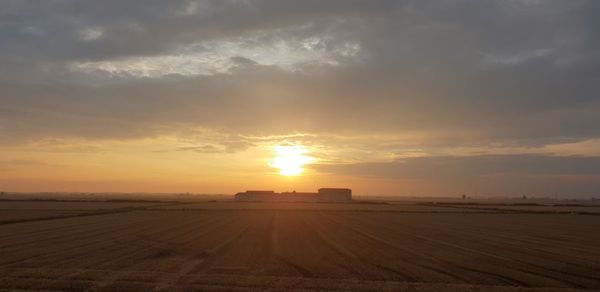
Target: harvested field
355 206
587 209
23 211
12 216
73 205
557 209
306 248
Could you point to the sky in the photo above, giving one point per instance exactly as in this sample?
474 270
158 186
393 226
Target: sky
407 98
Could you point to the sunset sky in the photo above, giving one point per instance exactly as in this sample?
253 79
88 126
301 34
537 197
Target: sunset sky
420 98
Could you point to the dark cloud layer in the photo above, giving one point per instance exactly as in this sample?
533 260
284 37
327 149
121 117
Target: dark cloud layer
492 70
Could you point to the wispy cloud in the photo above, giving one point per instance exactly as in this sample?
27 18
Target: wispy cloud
221 57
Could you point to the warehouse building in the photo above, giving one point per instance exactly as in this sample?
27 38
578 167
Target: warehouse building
323 195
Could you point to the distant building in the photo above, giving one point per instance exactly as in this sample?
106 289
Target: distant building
323 195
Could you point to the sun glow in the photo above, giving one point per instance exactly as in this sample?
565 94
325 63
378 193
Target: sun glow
290 160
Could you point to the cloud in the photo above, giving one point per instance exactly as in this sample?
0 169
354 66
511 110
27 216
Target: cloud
222 147
219 57
486 174
379 78
91 33
517 58
14 164
21 162
450 167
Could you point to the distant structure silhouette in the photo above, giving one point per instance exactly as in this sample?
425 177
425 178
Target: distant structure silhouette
323 195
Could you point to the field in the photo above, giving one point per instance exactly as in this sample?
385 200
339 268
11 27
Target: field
23 211
228 246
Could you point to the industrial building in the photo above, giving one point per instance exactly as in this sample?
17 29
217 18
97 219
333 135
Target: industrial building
323 195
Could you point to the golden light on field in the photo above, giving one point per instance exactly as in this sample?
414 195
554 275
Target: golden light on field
290 160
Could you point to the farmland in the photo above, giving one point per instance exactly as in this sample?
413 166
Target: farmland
23 211
285 246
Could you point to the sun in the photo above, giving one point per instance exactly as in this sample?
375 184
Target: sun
290 160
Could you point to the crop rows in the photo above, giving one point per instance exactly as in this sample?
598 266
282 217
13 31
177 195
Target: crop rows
168 249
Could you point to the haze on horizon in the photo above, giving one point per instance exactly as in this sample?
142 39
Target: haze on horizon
385 97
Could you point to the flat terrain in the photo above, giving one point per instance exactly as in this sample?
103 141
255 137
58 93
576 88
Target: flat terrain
358 206
230 246
23 211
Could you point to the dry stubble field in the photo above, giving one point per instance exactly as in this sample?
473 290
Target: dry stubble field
260 246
